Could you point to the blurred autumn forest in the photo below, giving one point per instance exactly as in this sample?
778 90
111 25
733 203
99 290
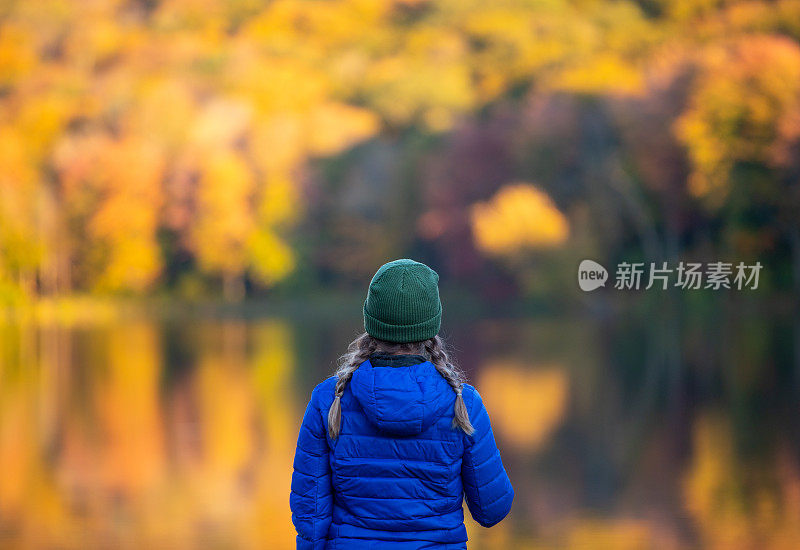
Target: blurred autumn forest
240 147
232 149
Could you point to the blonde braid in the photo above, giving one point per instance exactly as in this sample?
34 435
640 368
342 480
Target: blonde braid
358 351
436 349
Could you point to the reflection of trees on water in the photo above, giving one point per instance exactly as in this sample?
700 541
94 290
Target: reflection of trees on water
704 389
527 403
672 434
102 446
645 428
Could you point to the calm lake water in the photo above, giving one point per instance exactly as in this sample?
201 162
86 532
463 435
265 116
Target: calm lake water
620 430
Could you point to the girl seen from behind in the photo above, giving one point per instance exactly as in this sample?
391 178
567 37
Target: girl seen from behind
391 445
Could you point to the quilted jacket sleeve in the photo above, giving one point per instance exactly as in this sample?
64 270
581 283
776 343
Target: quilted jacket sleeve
486 485
311 498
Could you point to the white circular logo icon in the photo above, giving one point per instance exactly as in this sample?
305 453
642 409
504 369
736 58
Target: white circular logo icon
591 275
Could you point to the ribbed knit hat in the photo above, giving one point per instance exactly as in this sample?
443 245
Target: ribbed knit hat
403 303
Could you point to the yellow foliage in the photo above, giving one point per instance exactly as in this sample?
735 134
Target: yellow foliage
19 205
404 87
280 203
687 9
113 187
225 220
278 142
271 258
334 126
168 105
127 220
605 73
271 84
17 53
519 216
267 84
41 120
220 123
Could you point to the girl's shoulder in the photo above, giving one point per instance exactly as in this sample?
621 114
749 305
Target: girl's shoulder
323 394
472 398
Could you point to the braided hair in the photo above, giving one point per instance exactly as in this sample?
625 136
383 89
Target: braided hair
365 345
455 377
357 352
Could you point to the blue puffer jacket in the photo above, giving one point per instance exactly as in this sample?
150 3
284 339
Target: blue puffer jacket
396 476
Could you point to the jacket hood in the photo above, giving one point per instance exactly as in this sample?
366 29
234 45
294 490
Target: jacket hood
403 400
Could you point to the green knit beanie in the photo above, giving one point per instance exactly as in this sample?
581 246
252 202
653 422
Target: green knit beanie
402 302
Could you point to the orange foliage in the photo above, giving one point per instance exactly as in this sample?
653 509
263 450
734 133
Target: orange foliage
740 110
